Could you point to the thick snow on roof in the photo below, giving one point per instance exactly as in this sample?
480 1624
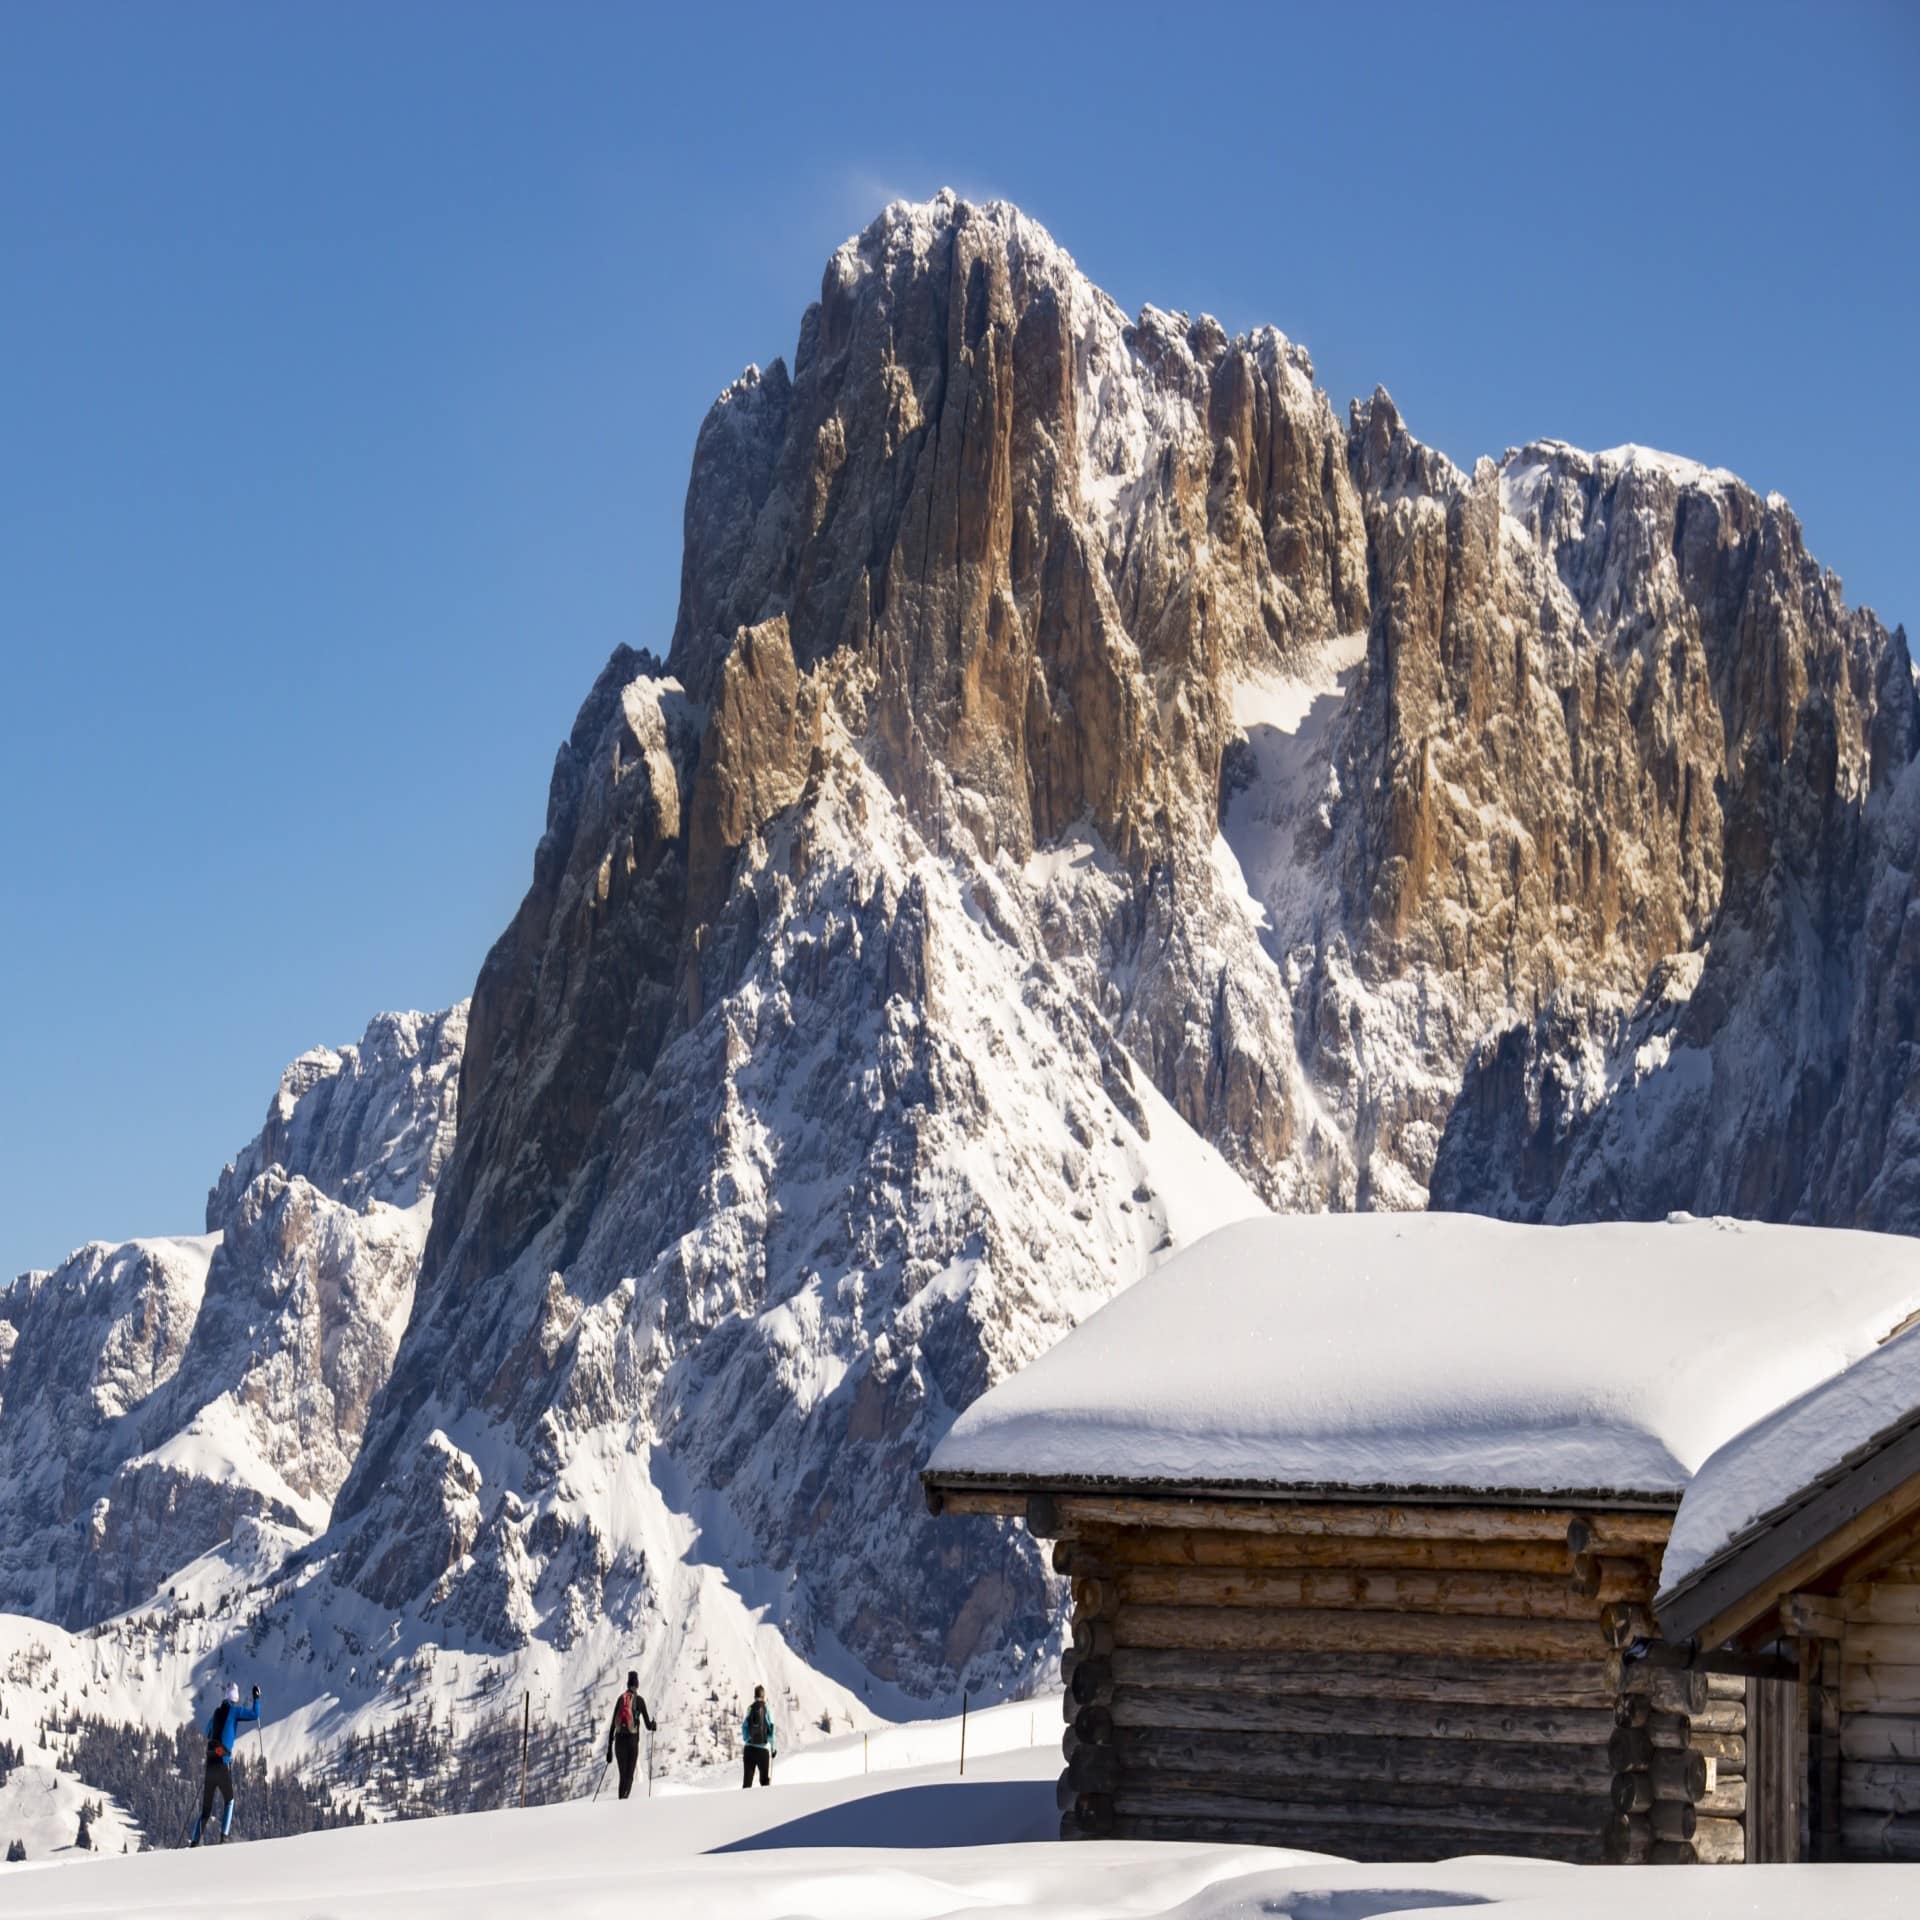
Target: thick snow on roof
1444 1351
1781 1456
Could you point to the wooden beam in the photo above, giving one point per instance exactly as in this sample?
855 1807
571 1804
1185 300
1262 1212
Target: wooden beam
1091 1679
1095 1599
1629 1838
1719 1842
1879 1687
1604 1579
1887 1786
1586 1683
1623 1623
1497 1595
1881 1836
1079 1511
1618 1532
1880 1736
1439 1771
1209 1547
1196 1710
1663 1691
1673 1819
1257 1630
1727 1751
1875 1603
1817 1616
1326 1832
1462 1815
1726 1796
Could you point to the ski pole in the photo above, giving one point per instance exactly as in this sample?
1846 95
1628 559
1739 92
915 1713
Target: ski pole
260 1751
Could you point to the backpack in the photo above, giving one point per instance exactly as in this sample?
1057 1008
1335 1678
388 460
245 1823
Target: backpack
217 1741
759 1724
623 1713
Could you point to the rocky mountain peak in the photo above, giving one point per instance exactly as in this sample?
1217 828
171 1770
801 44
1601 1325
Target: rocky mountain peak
1091 793
1087 775
155 1396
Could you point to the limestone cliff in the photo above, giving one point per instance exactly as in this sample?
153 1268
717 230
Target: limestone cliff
1092 789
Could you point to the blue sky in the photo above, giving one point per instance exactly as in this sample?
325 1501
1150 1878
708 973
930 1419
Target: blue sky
351 358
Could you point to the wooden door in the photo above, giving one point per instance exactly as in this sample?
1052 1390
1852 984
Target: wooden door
1776 1767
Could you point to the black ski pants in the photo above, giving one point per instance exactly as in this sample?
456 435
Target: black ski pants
220 1784
626 1750
752 1760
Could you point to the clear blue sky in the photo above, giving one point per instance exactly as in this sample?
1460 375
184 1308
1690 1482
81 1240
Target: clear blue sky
351 358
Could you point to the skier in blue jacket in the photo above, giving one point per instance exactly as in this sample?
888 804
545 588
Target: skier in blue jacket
223 1726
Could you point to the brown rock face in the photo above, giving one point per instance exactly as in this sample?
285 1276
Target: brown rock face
1087 776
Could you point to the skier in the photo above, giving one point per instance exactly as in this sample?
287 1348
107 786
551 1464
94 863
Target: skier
759 1740
222 1733
623 1734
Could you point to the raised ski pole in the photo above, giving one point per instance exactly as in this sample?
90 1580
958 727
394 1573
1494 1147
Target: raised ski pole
259 1747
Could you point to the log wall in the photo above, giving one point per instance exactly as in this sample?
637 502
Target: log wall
1443 1682
1877 1762
1679 1751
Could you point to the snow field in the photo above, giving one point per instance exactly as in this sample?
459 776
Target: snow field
909 1844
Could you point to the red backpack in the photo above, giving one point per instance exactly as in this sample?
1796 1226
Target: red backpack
623 1713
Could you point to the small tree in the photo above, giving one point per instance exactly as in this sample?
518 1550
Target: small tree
84 1838
18 1851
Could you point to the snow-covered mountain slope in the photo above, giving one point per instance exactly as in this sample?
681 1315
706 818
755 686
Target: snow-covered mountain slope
155 1394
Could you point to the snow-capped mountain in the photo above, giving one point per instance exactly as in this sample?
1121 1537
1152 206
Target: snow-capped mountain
155 1394
1092 793
1082 760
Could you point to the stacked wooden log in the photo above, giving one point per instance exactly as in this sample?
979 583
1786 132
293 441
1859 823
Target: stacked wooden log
1871 1691
1678 1748
1387 1683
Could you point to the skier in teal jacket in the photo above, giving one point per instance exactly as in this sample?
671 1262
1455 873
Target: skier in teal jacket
223 1730
758 1740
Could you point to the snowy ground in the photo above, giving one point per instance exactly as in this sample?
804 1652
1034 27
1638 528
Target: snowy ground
910 1839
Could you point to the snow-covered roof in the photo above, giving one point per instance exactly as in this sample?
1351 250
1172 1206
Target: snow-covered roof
1773 1464
1432 1352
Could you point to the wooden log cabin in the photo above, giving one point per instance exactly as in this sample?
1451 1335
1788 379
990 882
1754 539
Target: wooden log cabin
1800 1540
1362 1520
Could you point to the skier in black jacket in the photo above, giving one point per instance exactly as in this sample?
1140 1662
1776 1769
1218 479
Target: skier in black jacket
223 1729
623 1733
